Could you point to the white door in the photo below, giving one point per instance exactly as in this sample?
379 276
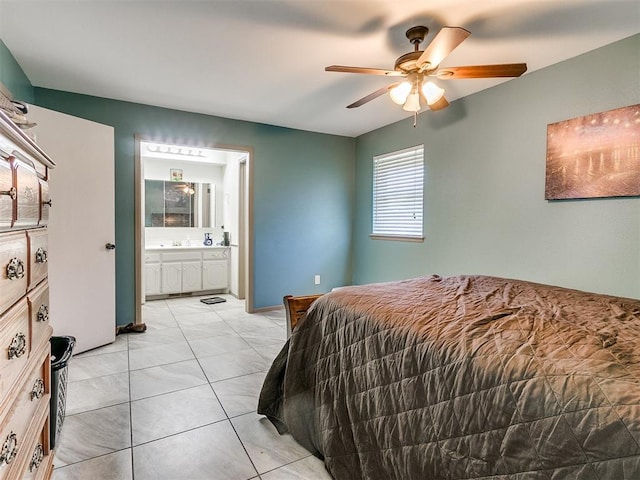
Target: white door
81 270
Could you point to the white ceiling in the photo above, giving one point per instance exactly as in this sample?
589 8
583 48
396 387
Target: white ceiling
263 60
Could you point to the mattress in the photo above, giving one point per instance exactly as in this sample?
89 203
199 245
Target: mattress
466 377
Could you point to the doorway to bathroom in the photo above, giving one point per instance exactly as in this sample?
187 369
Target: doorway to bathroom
192 201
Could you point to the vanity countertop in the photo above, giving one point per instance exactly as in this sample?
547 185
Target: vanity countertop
182 247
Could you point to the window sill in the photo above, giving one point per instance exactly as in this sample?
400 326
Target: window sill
397 238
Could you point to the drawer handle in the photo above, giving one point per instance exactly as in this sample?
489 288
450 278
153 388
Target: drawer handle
18 346
37 457
9 449
12 192
15 269
38 389
41 255
48 203
43 314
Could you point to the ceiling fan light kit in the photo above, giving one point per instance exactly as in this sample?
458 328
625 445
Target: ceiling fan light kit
408 93
413 102
420 65
432 92
400 92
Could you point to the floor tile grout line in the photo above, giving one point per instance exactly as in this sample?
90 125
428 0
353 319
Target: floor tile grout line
241 334
288 463
169 391
244 448
213 389
98 376
208 381
69 415
92 458
228 419
133 470
191 429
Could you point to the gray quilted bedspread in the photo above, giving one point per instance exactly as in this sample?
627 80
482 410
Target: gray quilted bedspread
463 377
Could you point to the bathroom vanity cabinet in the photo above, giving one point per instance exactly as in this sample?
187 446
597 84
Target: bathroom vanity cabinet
179 270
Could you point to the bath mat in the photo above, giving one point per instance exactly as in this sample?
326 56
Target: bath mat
212 300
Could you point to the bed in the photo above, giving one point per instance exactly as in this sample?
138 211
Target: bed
464 377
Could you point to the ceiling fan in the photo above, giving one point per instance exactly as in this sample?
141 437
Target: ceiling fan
419 66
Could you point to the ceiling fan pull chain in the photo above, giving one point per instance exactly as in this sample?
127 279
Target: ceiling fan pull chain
415 119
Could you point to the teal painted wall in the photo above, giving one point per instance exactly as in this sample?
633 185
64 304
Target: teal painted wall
12 76
485 211
303 193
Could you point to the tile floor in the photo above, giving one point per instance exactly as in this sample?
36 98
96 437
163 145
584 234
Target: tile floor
179 401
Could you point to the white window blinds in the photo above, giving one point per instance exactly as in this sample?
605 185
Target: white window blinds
398 192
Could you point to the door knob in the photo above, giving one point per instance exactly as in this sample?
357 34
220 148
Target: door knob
109 246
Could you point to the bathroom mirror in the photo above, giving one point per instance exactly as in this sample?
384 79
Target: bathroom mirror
179 204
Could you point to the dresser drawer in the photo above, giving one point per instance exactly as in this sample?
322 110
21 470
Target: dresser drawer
33 393
14 346
33 408
38 300
40 460
45 203
181 256
14 433
151 258
7 193
13 265
215 254
11 445
38 255
28 200
37 388
21 432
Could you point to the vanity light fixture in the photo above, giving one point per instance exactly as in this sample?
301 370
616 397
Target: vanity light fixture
176 150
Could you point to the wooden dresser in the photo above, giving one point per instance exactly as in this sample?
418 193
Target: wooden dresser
25 364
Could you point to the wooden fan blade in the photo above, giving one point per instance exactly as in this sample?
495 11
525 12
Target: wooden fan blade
482 71
365 70
440 104
445 42
372 96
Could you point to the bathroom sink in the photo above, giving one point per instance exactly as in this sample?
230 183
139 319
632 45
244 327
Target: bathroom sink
181 247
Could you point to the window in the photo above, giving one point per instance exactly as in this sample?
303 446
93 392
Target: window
398 193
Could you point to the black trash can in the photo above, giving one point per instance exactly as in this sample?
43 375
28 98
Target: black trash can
61 351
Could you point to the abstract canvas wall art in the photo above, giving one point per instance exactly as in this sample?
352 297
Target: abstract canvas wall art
594 156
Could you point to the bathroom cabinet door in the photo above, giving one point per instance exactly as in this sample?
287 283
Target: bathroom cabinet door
152 279
191 276
172 277
215 274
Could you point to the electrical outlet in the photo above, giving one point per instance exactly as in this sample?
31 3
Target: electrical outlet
316 279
